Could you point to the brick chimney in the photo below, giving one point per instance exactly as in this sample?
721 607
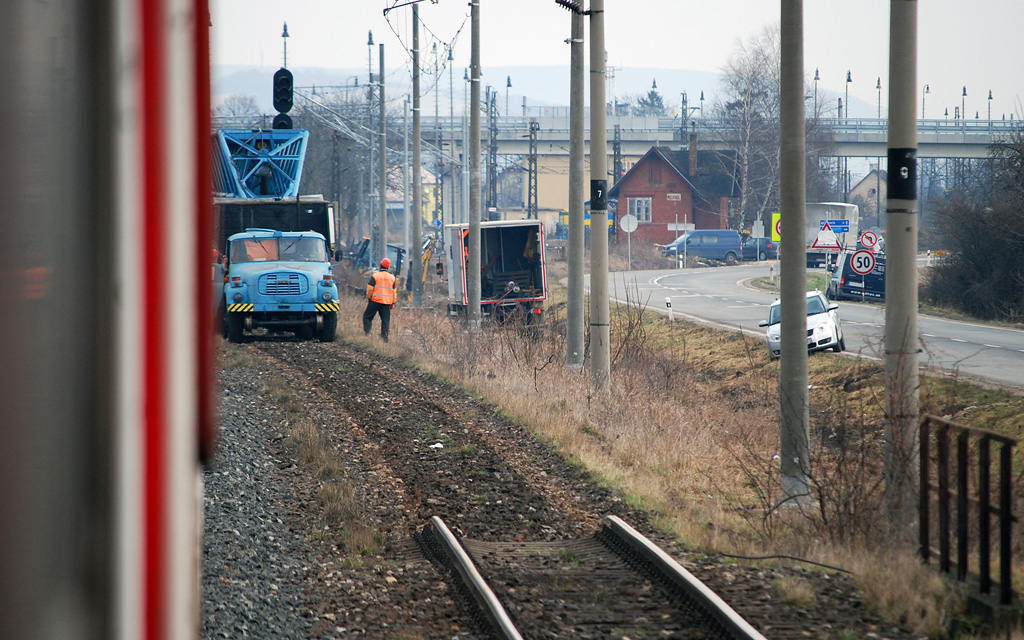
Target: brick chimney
693 154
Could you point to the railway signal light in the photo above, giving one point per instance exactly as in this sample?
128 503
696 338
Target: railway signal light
282 121
283 90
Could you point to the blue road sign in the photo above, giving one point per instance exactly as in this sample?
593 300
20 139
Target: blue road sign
837 226
437 223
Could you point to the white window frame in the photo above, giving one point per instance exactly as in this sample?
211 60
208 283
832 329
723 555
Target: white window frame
640 207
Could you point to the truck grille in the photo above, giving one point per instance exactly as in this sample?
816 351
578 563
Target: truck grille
282 284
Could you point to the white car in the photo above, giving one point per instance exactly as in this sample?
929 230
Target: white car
824 329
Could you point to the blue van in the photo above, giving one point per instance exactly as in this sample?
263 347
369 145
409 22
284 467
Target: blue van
848 284
713 244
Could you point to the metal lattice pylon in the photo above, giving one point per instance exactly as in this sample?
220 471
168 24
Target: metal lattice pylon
259 163
531 196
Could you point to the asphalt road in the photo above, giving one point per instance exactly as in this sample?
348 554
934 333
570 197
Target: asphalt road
720 296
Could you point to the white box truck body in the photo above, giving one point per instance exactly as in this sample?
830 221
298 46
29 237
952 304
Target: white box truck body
513 269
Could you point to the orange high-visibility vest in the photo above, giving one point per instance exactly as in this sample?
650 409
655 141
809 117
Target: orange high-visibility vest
383 287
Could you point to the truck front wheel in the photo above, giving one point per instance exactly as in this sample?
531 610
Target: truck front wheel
329 328
236 327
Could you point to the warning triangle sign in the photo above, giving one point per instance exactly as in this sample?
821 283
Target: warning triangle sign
826 239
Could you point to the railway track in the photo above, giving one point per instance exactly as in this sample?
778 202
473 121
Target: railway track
615 583
409 447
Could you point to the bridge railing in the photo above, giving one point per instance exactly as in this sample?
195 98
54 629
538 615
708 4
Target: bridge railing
842 128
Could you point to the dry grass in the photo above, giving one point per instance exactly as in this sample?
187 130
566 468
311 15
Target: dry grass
904 590
689 429
339 503
794 591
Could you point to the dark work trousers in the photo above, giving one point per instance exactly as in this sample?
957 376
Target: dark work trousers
372 309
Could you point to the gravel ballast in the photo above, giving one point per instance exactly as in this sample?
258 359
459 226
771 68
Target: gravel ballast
276 566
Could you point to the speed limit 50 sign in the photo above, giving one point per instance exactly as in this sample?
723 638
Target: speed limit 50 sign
862 262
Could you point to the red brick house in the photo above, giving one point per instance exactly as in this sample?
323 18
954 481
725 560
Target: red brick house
668 191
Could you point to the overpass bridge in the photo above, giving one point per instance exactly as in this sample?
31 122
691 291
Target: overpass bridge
854 137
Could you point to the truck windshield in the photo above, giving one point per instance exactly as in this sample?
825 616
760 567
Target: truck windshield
303 249
267 249
253 250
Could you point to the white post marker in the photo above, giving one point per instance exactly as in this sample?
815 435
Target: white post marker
671 314
628 224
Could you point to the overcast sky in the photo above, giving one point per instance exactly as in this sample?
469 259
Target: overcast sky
977 45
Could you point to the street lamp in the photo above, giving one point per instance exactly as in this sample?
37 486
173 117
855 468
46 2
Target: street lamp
927 90
702 104
963 104
846 165
508 85
990 104
816 78
284 38
878 86
849 79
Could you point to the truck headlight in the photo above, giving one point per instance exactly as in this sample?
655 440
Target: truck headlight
237 297
327 296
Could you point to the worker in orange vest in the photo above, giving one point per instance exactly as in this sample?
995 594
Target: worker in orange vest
381 295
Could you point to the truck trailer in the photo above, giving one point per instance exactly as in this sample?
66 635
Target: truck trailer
839 215
513 273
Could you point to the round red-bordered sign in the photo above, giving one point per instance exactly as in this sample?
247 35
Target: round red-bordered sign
869 239
778 227
862 262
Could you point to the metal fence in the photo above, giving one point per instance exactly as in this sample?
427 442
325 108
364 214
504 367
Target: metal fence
957 504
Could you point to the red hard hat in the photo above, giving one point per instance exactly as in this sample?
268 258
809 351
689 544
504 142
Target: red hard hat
385 263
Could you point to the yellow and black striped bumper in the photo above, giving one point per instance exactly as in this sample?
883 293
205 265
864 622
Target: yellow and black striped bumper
321 307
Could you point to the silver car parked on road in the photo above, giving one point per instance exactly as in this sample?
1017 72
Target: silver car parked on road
824 329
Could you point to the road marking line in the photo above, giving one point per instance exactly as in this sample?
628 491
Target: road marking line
994 346
957 340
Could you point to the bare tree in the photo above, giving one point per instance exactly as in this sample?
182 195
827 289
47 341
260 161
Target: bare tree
748 106
979 222
238 105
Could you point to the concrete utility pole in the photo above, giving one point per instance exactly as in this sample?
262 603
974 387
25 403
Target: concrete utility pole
574 338
600 316
380 233
473 260
368 216
453 207
405 176
902 345
438 156
794 437
416 263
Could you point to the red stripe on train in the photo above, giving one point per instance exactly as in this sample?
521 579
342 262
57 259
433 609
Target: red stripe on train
153 148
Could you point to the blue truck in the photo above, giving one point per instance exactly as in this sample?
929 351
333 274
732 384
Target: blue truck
281 281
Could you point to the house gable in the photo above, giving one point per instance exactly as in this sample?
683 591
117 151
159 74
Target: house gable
667 198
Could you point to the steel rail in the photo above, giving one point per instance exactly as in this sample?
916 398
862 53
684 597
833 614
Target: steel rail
482 593
683 579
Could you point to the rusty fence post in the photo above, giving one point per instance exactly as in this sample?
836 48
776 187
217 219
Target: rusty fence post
941 429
